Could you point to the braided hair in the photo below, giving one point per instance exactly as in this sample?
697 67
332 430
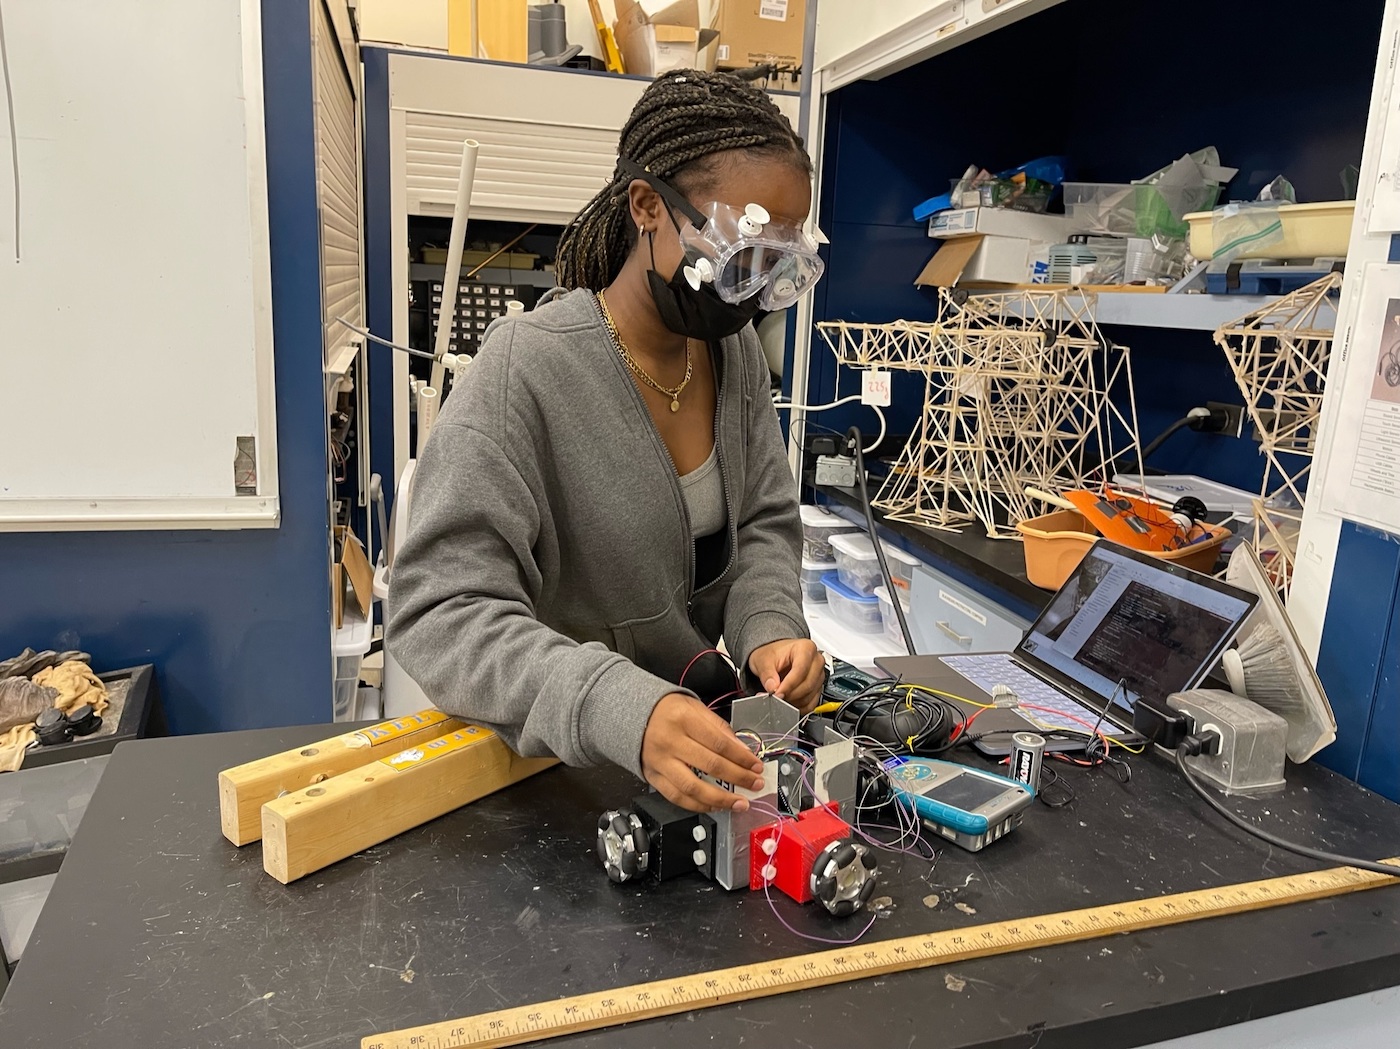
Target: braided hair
683 120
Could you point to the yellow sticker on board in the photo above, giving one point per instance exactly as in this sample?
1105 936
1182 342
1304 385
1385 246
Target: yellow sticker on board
436 748
391 730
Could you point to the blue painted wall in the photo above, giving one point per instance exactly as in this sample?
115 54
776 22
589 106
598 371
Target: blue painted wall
379 274
222 615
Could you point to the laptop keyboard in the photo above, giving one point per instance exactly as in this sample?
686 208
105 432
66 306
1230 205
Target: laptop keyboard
1055 709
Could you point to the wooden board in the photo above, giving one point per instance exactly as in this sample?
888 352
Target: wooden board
589 1012
502 33
245 789
318 825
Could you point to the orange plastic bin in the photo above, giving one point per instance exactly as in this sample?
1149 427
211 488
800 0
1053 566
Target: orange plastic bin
1056 543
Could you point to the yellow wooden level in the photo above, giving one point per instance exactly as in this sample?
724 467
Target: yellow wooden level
589 1012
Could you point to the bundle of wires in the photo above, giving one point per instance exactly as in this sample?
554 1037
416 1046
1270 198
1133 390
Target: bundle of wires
903 718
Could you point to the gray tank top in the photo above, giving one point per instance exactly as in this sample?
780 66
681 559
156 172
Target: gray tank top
703 489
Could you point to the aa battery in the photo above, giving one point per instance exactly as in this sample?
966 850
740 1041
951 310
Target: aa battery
1027 755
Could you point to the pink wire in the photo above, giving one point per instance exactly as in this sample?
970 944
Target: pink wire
711 652
767 893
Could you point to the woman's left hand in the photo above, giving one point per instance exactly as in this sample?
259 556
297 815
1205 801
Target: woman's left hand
792 669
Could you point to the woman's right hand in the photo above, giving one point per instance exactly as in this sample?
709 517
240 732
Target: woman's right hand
682 736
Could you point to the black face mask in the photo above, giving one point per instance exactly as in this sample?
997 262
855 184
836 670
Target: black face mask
697 313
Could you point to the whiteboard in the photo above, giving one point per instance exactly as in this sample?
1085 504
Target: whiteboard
135 297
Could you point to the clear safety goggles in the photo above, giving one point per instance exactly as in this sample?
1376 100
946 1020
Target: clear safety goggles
740 252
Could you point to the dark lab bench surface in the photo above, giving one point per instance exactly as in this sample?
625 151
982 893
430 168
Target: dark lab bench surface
159 933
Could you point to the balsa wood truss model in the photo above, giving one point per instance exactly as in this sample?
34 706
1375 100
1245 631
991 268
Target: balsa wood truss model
1020 389
1278 355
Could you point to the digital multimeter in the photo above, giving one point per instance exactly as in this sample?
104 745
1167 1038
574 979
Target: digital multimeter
969 807
845 682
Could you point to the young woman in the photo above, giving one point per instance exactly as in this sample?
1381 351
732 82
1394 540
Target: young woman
606 493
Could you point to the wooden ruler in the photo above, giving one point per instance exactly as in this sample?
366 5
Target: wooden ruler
589 1012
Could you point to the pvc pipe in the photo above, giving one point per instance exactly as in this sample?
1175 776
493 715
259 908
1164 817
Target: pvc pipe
447 309
514 306
427 415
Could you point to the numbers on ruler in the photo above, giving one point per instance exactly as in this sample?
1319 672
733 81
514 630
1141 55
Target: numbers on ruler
713 989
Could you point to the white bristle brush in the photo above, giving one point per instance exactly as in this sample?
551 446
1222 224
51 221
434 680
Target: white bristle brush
1261 669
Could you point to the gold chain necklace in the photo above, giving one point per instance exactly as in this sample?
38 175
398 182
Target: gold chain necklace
674 392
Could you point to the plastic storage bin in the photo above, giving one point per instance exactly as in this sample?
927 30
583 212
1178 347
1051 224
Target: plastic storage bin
1056 543
1310 231
818 527
859 612
888 620
860 569
351 643
812 572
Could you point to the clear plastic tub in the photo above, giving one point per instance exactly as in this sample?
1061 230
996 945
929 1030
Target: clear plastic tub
352 642
818 526
888 620
859 612
812 572
860 570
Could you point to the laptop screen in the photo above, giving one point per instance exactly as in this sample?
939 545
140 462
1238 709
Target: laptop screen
1126 616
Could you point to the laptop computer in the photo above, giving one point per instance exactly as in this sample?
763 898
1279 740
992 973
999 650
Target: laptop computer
1122 616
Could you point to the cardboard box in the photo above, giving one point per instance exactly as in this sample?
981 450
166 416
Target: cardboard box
984 259
1003 222
753 32
657 36
351 566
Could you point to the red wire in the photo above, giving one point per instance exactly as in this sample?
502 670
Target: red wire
960 729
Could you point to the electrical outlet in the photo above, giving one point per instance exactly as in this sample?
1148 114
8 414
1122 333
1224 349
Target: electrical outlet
1287 427
1234 415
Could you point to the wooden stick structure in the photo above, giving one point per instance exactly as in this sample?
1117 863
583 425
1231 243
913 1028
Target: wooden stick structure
1020 389
1278 355
318 804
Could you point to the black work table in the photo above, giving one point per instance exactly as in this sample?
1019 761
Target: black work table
159 933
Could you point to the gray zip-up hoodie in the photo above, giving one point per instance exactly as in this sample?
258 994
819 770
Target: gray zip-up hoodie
546 587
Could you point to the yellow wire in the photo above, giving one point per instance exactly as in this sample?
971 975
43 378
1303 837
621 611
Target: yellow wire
908 689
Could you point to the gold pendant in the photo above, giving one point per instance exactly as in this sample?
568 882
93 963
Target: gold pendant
675 405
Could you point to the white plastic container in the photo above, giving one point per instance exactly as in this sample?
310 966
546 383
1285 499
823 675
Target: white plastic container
860 569
812 572
859 612
818 527
1310 231
352 641
888 620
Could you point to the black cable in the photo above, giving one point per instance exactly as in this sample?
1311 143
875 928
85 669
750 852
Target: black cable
939 717
854 435
1321 855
